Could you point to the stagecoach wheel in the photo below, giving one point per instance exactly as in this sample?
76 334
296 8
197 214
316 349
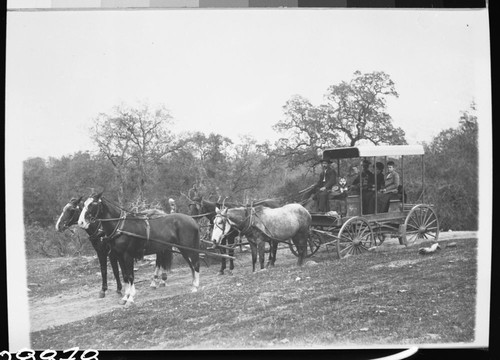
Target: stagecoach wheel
421 223
355 237
313 244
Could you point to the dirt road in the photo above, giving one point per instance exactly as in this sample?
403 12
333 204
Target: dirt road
78 303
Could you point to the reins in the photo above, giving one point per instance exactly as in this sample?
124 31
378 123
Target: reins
250 224
202 215
118 230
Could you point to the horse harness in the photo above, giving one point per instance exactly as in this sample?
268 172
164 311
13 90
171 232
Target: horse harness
249 215
118 230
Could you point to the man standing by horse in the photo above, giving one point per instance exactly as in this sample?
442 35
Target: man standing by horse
327 179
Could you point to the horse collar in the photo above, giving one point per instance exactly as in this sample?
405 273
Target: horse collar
119 224
95 234
249 225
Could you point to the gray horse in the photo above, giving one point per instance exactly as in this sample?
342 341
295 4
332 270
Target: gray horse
262 224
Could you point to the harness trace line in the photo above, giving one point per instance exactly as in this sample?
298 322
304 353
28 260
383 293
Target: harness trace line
250 225
118 231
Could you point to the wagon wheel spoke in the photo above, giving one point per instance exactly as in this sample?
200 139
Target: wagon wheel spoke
313 244
346 250
355 237
363 234
421 223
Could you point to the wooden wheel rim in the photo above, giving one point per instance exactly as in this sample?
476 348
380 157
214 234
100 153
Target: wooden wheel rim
421 223
313 244
355 237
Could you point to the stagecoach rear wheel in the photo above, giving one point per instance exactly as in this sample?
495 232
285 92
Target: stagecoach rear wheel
421 223
355 237
313 244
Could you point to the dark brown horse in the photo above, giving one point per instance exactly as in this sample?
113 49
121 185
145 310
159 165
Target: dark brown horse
199 207
133 235
69 216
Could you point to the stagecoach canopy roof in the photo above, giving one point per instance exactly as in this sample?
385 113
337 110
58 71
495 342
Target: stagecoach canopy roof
367 151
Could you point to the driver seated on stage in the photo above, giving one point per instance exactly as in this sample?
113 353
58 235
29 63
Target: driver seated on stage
327 179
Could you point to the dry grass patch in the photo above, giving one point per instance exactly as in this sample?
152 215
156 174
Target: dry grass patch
397 297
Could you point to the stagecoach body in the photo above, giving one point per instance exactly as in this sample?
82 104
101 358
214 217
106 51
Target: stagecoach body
351 230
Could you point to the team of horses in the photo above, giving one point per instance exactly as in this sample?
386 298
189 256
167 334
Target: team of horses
124 236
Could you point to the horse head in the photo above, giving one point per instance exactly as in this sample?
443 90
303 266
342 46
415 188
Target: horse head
222 225
69 215
91 210
195 205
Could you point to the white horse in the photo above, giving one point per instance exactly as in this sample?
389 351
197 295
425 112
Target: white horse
262 224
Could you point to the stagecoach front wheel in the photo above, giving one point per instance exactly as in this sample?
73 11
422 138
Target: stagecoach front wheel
355 237
313 244
421 223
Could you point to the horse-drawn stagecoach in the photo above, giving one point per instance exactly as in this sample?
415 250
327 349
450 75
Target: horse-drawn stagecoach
350 227
354 230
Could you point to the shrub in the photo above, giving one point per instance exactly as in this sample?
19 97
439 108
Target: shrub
47 242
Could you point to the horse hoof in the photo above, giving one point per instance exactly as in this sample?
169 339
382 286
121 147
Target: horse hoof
129 304
194 289
122 302
101 294
163 284
220 273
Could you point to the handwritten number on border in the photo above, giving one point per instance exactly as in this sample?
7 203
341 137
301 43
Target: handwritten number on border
27 354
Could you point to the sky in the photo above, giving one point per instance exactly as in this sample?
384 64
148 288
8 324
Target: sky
231 71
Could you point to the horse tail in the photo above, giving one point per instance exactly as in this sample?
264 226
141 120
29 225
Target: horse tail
167 259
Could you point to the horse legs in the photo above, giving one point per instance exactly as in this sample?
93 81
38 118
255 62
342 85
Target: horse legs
227 241
163 262
128 279
262 249
155 282
253 247
116 272
193 260
231 253
103 262
223 260
300 241
273 248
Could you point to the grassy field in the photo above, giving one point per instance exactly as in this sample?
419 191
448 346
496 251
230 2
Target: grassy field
380 298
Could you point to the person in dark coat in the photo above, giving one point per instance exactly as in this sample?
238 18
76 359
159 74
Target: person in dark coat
380 185
327 179
367 185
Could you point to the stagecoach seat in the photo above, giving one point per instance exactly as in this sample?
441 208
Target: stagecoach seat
394 205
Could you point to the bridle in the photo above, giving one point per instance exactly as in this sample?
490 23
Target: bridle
226 221
120 220
75 214
94 218
197 206
76 211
